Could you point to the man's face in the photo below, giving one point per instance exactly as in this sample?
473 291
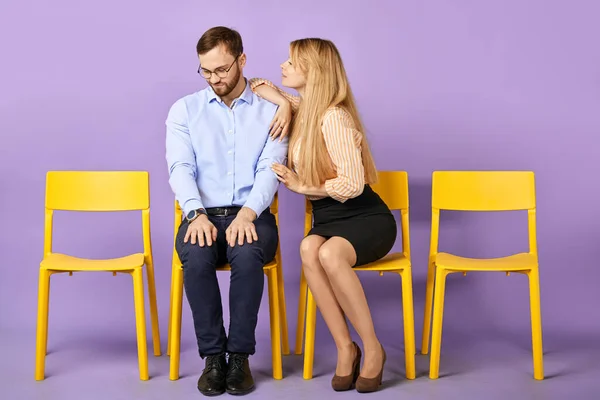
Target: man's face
221 69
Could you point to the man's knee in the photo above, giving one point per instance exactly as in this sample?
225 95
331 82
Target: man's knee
248 258
196 257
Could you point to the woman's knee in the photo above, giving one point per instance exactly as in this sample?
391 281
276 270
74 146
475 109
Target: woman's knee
309 252
336 254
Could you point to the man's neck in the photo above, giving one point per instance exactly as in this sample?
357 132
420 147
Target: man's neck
235 93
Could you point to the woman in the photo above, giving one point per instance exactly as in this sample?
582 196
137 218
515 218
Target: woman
330 162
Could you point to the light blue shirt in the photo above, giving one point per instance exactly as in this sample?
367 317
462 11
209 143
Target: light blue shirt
220 156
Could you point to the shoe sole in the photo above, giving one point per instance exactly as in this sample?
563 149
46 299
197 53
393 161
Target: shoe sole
211 394
240 392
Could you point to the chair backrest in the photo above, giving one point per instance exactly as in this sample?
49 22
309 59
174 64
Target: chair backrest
483 191
392 187
179 217
97 191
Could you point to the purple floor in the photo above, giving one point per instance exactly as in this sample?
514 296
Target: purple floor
99 362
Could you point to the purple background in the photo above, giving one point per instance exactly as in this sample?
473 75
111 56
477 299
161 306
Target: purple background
465 84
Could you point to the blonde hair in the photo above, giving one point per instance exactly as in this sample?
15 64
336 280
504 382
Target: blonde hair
326 87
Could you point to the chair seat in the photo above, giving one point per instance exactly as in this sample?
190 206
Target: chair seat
63 262
391 262
515 262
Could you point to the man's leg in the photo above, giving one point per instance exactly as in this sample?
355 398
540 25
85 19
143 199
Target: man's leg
202 289
247 283
245 293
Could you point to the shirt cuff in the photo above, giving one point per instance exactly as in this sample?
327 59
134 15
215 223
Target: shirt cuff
255 82
255 206
192 204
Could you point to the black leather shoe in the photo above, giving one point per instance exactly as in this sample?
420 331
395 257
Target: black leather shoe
239 378
212 380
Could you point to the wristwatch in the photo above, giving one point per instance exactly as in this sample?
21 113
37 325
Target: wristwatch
192 215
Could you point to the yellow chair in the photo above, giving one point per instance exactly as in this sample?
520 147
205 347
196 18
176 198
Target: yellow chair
278 318
392 186
480 191
98 191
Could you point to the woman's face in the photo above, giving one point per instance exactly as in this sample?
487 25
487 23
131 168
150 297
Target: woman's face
292 76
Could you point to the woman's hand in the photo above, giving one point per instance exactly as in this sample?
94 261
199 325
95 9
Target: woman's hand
288 177
281 122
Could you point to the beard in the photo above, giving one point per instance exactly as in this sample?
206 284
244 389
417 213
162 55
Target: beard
227 88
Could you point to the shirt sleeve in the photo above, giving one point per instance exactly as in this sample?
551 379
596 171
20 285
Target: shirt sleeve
294 100
265 181
181 159
343 143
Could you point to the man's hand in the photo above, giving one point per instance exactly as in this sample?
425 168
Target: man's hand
200 229
242 227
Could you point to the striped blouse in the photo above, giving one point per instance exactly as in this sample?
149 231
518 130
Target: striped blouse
343 142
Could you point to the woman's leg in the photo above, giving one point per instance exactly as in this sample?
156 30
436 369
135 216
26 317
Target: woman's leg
337 256
324 297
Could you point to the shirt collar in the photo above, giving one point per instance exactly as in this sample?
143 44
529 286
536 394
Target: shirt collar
246 95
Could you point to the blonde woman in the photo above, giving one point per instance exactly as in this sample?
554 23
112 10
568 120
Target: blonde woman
329 161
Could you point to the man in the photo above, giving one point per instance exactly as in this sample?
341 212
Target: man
219 155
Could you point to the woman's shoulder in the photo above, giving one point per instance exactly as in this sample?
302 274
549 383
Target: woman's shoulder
339 115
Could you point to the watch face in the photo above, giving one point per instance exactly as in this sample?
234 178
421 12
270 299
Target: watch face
191 214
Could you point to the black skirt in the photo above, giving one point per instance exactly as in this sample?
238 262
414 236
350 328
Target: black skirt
365 221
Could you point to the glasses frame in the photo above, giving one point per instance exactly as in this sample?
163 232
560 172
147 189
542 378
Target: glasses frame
203 71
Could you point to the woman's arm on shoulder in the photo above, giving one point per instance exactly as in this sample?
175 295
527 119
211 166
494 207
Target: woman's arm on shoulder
287 106
268 91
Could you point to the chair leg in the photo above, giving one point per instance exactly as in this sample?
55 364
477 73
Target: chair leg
170 311
42 324
536 324
438 317
140 322
175 322
309 345
428 306
282 311
153 308
50 273
274 315
301 313
409 323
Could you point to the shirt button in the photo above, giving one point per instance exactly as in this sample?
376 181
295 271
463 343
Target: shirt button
229 173
230 152
231 131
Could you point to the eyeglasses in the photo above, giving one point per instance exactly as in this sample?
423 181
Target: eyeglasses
220 72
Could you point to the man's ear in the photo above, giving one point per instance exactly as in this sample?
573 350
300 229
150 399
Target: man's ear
242 60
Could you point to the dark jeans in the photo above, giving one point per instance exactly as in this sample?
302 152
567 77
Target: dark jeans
246 284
